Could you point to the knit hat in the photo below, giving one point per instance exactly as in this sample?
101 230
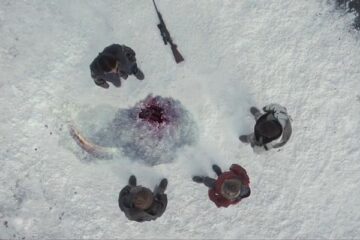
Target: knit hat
142 198
231 188
270 129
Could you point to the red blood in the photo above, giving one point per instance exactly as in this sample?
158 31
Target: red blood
153 113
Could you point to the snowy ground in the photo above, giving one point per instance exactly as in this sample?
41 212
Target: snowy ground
301 54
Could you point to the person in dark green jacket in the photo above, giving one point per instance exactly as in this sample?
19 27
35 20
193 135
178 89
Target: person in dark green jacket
140 203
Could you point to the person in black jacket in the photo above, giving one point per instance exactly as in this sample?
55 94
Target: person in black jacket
140 203
113 63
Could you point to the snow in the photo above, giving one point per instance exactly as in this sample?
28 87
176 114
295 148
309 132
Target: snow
301 54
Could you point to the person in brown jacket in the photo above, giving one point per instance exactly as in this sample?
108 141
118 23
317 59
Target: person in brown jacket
140 203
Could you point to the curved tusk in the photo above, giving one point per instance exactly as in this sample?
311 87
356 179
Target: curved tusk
89 147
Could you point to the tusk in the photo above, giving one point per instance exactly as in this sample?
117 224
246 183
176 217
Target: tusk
89 147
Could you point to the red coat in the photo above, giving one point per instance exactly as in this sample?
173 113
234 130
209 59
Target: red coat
236 171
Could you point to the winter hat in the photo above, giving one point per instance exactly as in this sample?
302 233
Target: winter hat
231 188
142 198
271 129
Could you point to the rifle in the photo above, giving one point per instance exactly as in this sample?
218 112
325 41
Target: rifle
167 38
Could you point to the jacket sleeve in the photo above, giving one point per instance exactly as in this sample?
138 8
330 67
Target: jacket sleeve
159 206
247 193
126 59
241 172
96 73
129 53
287 131
123 197
112 50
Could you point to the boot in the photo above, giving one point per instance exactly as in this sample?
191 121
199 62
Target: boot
244 138
163 184
255 112
217 169
198 179
132 181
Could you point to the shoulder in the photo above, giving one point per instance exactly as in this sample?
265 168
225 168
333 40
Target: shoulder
93 64
114 46
240 172
112 49
125 191
123 200
128 50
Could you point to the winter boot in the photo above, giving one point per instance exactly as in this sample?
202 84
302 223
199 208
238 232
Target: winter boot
132 181
163 185
198 179
244 138
217 169
255 112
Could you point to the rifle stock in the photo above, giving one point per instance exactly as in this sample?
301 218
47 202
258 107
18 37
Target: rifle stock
177 55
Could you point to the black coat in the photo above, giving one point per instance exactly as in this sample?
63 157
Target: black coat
125 57
156 209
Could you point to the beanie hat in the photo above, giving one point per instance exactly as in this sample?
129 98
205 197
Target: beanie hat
231 188
270 129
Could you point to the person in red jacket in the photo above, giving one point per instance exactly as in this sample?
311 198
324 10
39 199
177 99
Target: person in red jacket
229 187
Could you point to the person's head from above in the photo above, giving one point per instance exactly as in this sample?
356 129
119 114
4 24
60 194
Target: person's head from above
108 63
270 129
231 188
143 198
